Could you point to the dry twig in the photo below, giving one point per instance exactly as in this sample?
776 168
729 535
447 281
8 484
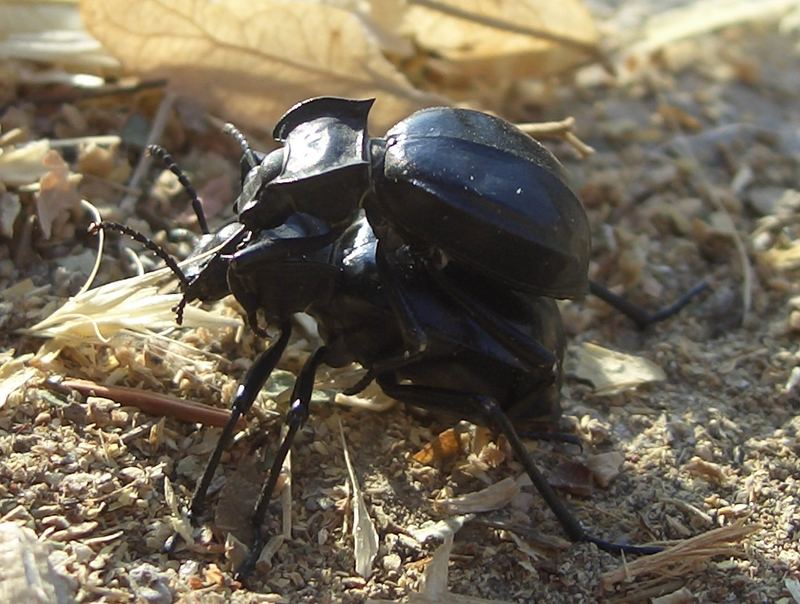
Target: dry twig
156 404
680 559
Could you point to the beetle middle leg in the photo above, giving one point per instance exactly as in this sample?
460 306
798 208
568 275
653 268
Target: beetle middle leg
486 407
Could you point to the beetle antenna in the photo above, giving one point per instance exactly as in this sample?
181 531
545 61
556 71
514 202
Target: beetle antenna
197 205
237 135
145 241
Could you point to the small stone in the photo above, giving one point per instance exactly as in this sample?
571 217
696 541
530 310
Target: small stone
391 562
605 467
149 585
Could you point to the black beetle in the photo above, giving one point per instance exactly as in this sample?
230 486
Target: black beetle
473 337
465 371
456 184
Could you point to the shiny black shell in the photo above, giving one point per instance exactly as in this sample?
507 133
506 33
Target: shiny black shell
487 195
322 168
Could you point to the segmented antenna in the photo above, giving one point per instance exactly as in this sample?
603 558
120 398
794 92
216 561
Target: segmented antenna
157 250
197 205
145 241
237 135
178 309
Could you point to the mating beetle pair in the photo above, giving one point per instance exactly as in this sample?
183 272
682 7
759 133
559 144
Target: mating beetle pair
443 292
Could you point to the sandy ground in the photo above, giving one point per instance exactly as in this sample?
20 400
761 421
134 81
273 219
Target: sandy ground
695 177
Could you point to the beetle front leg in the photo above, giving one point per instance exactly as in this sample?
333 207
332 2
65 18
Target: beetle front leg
486 407
245 395
295 418
641 316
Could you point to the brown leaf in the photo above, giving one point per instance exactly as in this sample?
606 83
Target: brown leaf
236 500
251 62
705 470
57 193
493 497
446 445
522 37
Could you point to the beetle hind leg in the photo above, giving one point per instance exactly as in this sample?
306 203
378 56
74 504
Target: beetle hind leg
642 317
486 407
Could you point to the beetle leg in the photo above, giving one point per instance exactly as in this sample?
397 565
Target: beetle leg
254 380
362 383
295 418
455 402
517 342
642 317
557 437
391 279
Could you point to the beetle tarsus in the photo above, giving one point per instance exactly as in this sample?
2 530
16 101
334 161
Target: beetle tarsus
453 402
361 384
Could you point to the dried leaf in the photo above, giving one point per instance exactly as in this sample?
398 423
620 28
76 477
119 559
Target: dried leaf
611 372
180 523
572 477
681 558
382 20
524 547
49 32
706 470
235 504
14 374
493 497
365 537
793 586
28 575
57 193
697 18
10 207
264 561
680 596
514 37
252 62
434 581
446 445
440 530
23 165
371 399
782 259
